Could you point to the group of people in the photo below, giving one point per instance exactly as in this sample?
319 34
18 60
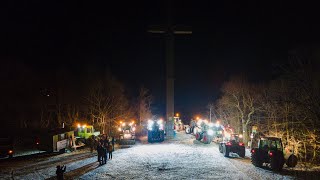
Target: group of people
104 148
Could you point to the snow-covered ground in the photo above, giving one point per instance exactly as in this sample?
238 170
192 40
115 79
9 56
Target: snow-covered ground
180 158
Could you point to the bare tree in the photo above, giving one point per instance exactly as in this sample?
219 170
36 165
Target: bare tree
107 103
240 97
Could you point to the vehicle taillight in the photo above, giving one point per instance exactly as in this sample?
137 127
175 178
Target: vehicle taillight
10 152
241 144
252 150
228 144
270 153
37 141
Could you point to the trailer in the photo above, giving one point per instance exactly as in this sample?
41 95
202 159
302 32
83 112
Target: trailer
56 140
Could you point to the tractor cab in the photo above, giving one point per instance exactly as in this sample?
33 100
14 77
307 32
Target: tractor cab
236 139
269 151
270 143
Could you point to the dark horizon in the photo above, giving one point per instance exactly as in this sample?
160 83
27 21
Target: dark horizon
228 39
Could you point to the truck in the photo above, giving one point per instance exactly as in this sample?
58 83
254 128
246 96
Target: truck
155 131
127 133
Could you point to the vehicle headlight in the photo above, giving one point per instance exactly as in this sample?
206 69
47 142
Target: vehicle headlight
240 136
159 122
119 129
210 132
133 129
227 134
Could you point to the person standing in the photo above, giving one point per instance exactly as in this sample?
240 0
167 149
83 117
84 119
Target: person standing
105 154
110 149
60 170
112 142
100 153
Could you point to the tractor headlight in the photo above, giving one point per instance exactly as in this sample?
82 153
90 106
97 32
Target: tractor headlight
227 134
199 122
210 132
150 124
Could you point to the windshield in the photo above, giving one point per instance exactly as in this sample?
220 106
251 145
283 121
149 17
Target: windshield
271 144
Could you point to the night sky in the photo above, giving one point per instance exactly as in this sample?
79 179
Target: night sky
229 38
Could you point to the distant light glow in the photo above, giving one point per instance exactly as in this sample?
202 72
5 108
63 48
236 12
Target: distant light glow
210 132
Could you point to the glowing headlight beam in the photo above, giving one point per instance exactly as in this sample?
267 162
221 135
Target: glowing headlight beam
210 132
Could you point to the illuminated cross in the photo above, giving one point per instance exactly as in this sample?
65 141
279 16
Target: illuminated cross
169 31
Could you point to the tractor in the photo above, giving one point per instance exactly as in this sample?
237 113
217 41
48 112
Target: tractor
205 131
155 131
127 133
84 132
232 143
270 152
189 128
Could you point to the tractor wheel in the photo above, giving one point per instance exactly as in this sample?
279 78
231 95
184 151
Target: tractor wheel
149 137
292 161
188 130
242 152
161 136
195 130
275 163
206 138
198 136
226 151
220 148
255 159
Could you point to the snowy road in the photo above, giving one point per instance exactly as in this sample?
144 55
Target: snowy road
180 158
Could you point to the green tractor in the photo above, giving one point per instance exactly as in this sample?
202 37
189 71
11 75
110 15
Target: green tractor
84 132
270 152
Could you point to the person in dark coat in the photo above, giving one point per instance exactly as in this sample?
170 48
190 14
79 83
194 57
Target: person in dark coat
60 170
110 151
100 153
112 142
104 155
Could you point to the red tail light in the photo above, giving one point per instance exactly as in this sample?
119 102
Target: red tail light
37 141
270 153
228 144
241 144
252 150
